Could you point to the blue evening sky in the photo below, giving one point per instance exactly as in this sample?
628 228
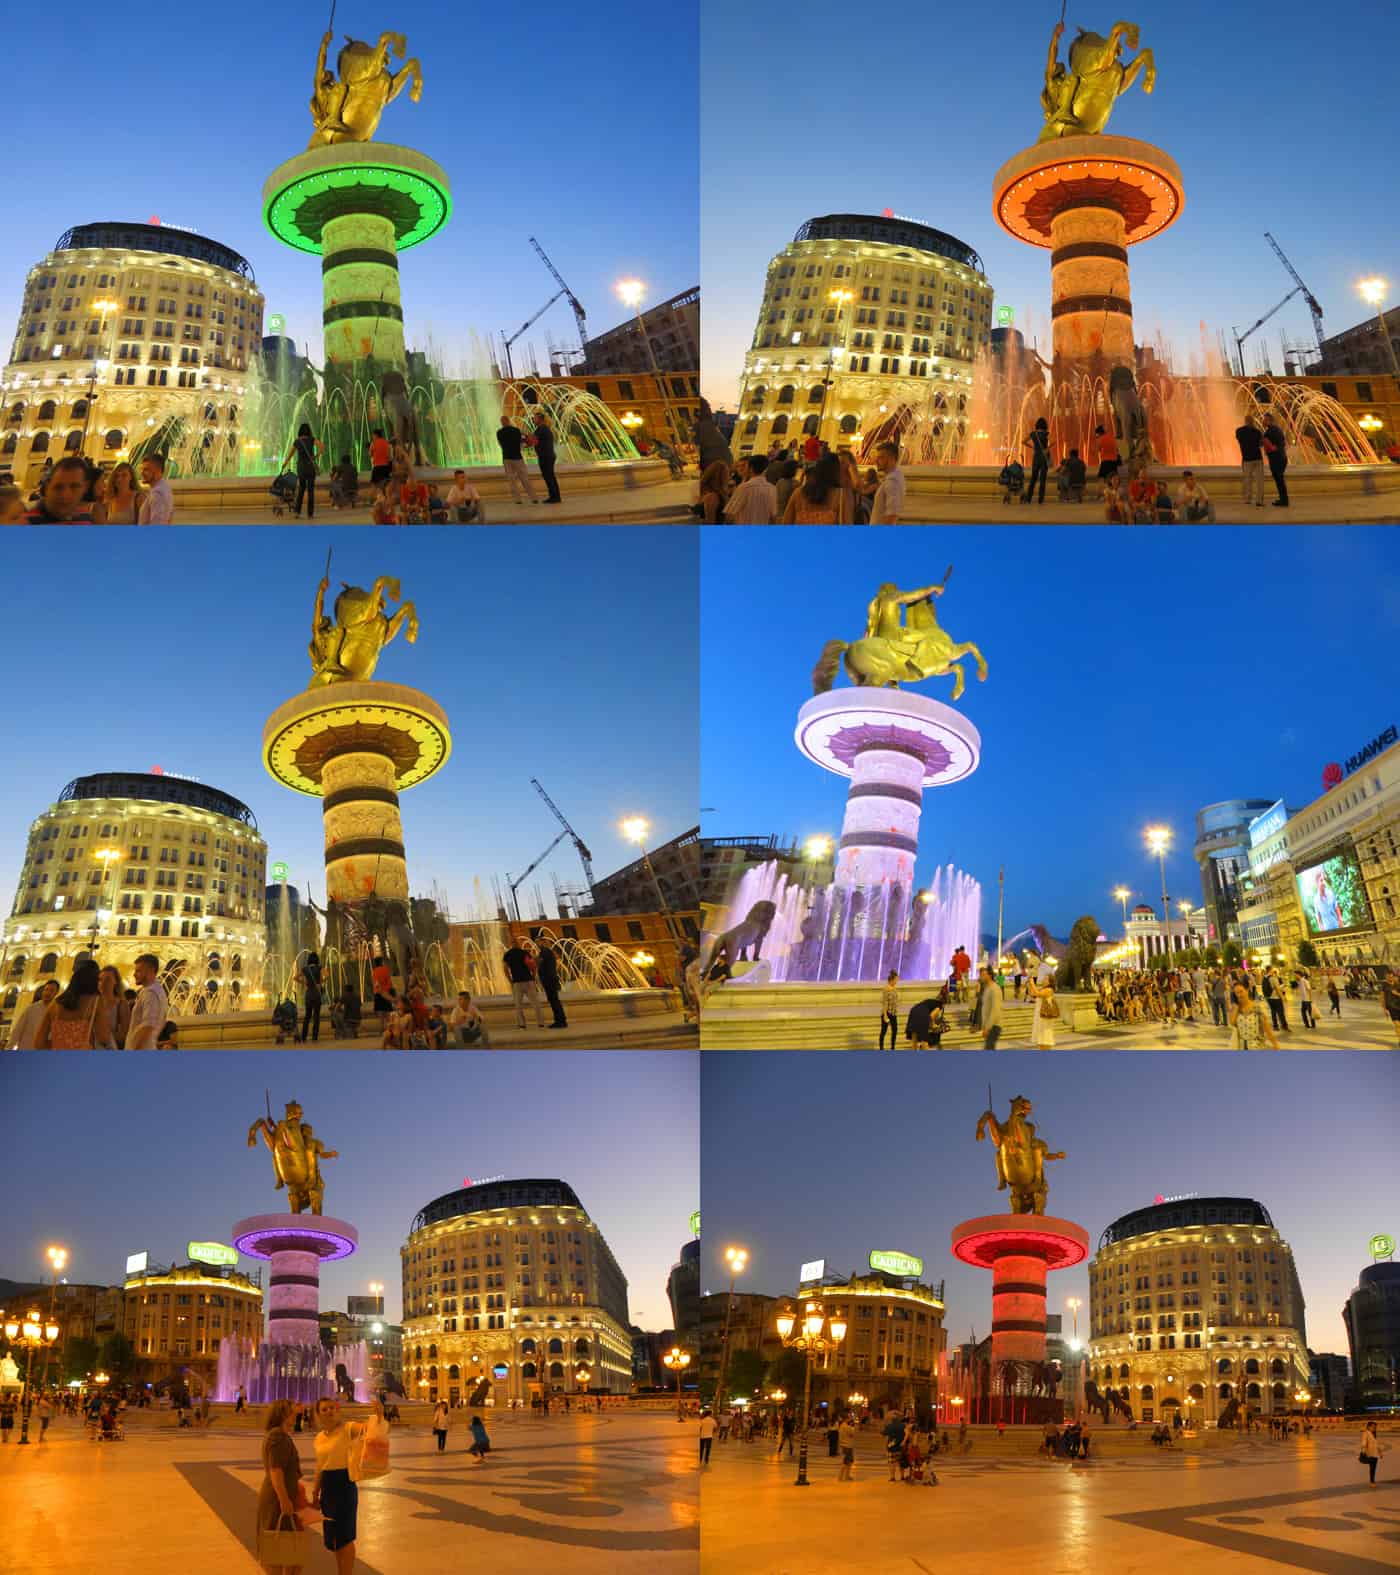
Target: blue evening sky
1135 676
862 1152
406 1131
1272 113
576 125
563 653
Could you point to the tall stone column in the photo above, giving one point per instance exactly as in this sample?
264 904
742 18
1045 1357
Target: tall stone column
363 831
880 832
361 312
1091 303
293 1297
1018 1308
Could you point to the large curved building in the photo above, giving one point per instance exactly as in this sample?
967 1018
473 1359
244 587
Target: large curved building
869 324
1372 1317
1195 1303
127 862
131 336
510 1290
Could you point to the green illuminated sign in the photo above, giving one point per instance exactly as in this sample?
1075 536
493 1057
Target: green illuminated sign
277 324
279 871
695 1223
903 1264
1006 315
211 1252
1382 1246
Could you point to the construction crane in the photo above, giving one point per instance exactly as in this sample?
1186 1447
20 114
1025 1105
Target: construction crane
529 322
580 317
1299 288
520 880
585 857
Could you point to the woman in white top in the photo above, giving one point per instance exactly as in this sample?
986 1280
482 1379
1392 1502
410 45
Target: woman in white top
440 1420
1042 1027
333 1493
1371 1449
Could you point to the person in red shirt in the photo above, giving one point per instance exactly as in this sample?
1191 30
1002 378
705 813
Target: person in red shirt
812 449
1108 452
380 457
413 501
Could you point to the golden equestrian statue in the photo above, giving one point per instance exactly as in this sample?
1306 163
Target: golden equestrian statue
892 652
1079 99
296 1157
346 648
348 110
1021 1157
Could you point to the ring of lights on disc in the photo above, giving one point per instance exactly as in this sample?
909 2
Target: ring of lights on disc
1059 1243
384 719
831 727
398 184
1141 182
265 1234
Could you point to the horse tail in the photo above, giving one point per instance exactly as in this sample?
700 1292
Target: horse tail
824 673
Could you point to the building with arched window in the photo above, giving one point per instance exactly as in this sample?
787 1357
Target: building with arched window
510 1291
1194 1303
130 862
869 324
130 336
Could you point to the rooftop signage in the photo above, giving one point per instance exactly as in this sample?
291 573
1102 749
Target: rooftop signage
1006 316
695 1223
276 324
280 871
160 771
903 1264
137 1261
1381 1246
812 1271
481 1181
1378 745
211 1252
1176 1197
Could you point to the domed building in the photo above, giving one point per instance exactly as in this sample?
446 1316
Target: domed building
868 323
1195 1304
129 862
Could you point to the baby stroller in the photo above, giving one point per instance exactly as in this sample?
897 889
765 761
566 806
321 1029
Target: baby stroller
284 492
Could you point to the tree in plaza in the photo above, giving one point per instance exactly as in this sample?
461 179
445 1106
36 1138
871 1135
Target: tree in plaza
1212 956
1078 962
1233 954
118 1355
1307 955
786 1372
744 1374
1191 958
79 1357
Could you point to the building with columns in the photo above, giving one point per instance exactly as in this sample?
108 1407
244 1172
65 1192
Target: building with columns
868 324
510 1290
1189 930
131 335
1195 1302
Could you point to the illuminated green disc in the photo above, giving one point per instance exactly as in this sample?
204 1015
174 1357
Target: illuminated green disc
297 212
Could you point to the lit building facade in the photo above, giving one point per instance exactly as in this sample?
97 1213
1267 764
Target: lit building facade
1361 348
1193 1303
672 326
1222 855
752 1327
177 1318
1147 932
1351 834
1372 1317
184 881
866 322
133 334
1373 400
383 1342
647 406
510 1290
672 866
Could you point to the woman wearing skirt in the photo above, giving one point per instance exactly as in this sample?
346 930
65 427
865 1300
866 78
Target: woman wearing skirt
334 1494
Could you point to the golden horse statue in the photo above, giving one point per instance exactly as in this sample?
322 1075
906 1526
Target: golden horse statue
1021 1157
348 110
892 652
346 649
296 1157
1078 101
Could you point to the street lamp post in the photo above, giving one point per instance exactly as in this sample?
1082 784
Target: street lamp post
1122 894
737 1258
104 307
843 299
107 857
631 291
58 1261
814 850
33 1336
677 1360
1374 290
818 1334
1158 840
635 828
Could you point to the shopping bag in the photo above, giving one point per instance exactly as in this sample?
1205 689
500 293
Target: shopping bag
286 1545
369 1453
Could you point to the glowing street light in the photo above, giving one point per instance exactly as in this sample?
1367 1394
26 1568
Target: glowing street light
635 828
817 848
842 299
677 1360
33 1335
815 1333
1158 840
631 292
738 1260
1374 290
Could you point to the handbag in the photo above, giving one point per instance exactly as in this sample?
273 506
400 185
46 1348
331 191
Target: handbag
369 1453
290 1547
1049 1008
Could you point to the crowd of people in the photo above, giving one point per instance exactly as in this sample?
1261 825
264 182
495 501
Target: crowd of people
98 1010
74 490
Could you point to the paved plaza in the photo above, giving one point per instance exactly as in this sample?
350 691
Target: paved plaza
1327 508
595 1494
1239 1505
654 1031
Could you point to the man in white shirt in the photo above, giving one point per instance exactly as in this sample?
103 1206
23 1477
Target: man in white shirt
889 495
755 501
151 1009
158 506
25 1028
467 1022
464 500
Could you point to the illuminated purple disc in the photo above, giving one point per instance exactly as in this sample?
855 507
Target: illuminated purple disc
265 1234
834 728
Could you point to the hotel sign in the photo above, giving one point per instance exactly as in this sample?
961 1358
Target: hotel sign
903 1264
1380 743
211 1252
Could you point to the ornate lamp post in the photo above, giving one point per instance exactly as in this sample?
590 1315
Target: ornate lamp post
33 1336
816 1333
1158 839
737 1258
677 1360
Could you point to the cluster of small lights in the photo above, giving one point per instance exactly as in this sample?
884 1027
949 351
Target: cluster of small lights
434 205
1054 174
